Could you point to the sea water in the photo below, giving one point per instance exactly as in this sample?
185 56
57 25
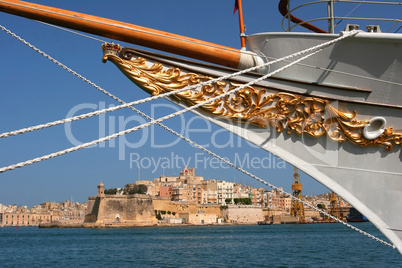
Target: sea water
299 245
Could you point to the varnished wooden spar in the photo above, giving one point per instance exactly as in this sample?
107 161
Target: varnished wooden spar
130 33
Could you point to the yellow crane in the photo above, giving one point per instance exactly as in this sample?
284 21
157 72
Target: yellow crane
297 208
334 206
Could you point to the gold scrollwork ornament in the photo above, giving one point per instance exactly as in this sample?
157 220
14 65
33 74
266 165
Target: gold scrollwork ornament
283 111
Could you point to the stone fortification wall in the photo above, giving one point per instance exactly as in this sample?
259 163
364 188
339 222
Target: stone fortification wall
243 214
120 208
311 213
212 209
92 209
161 203
177 207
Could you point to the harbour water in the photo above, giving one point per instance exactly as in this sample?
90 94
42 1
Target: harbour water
308 245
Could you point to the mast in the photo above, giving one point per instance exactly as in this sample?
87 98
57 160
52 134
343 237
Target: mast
239 8
134 34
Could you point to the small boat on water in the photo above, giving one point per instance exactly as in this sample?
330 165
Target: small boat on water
336 115
356 216
264 223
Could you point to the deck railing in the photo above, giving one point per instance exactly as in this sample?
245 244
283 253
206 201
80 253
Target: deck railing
333 20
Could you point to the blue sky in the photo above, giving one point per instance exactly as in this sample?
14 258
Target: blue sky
34 90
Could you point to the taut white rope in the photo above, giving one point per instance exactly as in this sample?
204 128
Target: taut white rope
113 136
66 120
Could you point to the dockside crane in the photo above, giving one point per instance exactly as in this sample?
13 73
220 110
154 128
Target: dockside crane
297 208
334 206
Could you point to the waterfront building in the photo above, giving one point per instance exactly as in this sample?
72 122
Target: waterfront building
68 215
199 218
204 193
44 213
187 187
166 191
25 219
255 197
225 191
282 202
267 198
51 205
212 192
181 193
241 191
173 220
200 192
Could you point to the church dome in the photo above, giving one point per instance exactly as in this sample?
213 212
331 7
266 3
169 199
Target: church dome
185 170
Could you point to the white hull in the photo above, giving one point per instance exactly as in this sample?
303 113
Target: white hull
368 178
368 181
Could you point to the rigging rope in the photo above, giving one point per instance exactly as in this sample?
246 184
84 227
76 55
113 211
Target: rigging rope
396 23
153 121
66 120
71 31
316 49
125 105
113 136
347 15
